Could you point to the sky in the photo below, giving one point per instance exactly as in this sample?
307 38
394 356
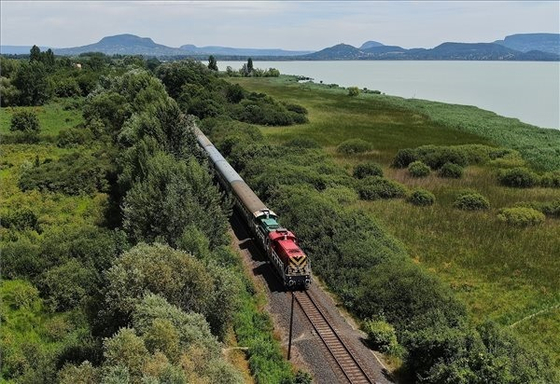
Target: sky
293 25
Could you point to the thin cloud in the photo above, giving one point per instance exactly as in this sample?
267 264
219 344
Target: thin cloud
305 25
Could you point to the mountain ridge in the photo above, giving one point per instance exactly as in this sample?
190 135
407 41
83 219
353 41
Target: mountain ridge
532 46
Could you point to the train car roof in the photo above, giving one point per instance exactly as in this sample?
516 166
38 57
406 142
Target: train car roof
249 199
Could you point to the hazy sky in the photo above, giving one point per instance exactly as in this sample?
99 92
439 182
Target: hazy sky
305 25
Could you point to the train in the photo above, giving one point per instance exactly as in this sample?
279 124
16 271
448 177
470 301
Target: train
279 244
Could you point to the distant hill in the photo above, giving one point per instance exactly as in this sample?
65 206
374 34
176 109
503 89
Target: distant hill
337 52
545 42
445 51
534 47
227 51
125 44
384 50
370 44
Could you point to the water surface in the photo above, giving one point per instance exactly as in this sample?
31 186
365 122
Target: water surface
529 91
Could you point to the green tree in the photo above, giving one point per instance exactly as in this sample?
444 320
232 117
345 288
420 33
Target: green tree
178 277
35 53
31 81
9 92
85 373
250 65
128 350
67 286
47 58
169 197
212 63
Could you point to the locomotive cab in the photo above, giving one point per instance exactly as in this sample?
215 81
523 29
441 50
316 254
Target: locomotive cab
294 261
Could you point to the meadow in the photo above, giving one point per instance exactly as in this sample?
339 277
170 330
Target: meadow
503 273
53 116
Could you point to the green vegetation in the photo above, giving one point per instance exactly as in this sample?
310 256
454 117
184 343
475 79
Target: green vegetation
375 187
25 121
110 185
501 273
421 197
353 146
113 184
451 171
367 169
520 216
353 91
418 169
381 335
471 201
518 178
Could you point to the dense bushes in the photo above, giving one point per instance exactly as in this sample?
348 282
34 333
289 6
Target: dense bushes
354 146
381 335
471 201
436 156
551 208
375 187
451 171
19 219
72 174
73 137
421 197
518 178
202 93
367 169
418 169
526 178
520 216
25 121
551 180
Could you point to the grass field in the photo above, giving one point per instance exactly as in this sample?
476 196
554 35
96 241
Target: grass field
52 117
500 272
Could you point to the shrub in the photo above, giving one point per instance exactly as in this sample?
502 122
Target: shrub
25 121
67 286
73 137
471 202
521 217
375 187
551 208
73 174
353 146
23 295
381 335
518 178
353 91
20 220
302 142
296 108
451 171
418 169
551 180
367 169
404 157
422 198
436 156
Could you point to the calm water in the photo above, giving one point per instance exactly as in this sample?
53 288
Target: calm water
529 91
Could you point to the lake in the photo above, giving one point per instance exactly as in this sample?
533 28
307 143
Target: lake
529 91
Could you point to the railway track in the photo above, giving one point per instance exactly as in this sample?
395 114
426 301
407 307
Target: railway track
341 353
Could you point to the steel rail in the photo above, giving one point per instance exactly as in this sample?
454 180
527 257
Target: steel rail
347 363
